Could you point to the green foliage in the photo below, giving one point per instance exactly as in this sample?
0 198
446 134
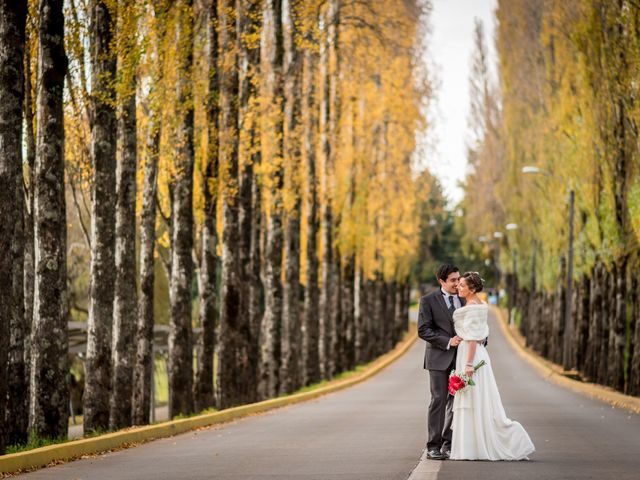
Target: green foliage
441 236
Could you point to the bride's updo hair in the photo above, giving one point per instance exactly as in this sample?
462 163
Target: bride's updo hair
473 281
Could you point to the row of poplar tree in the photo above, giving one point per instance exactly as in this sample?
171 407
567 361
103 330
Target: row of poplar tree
566 103
256 153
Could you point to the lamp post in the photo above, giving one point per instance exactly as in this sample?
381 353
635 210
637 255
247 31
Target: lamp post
568 324
512 286
511 227
498 236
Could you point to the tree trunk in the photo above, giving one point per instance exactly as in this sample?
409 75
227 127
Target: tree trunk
256 290
398 310
233 358
326 216
291 340
29 256
49 402
632 304
12 319
336 356
103 153
559 303
371 299
389 315
348 318
359 318
28 225
125 301
595 323
634 370
329 122
379 314
541 311
604 313
203 388
407 300
272 147
617 332
249 18
180 341
310 318
582 323
143 370
333 32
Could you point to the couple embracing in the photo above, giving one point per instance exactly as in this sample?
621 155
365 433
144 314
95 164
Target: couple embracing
471 424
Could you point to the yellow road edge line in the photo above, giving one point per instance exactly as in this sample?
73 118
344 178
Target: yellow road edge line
553 372
40 457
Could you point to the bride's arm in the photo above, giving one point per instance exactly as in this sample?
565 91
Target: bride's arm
471 353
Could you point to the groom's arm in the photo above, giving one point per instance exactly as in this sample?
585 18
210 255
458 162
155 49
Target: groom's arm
427 329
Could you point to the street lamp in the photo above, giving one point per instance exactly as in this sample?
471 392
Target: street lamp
568 330
532 169
510 227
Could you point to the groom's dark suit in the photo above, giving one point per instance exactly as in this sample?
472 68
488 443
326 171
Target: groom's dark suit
435 326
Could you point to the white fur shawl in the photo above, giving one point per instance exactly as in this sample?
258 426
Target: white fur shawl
470 322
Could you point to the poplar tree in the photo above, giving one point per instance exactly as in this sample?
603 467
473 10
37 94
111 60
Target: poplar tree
49 393
98 369
13 330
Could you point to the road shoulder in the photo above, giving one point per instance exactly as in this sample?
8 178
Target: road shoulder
554 373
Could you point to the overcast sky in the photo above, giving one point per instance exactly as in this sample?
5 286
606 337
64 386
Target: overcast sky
450 50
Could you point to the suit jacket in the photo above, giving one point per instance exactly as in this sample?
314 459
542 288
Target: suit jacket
435 326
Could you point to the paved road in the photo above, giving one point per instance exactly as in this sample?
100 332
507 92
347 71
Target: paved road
376 430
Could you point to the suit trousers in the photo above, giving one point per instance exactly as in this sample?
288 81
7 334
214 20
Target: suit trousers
440 409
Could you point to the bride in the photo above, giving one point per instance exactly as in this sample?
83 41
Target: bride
481 429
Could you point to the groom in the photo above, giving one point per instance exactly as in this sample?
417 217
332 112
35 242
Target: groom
435 326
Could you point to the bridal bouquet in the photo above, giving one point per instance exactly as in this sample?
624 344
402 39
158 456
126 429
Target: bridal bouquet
458 381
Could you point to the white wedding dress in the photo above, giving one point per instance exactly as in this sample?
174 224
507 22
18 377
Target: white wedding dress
481 429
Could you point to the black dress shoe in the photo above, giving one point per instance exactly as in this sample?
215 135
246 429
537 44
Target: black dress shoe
434 454
446 453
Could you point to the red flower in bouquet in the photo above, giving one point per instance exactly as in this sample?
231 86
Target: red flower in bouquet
459 381
456 383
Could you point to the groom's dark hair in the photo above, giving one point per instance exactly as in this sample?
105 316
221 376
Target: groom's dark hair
445 270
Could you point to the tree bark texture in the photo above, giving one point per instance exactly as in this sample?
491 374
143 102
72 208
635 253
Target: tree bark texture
326 216
29 254
311 293
272 50
103 155
348 313
234 346
49 402
634 367
13 330
143 369
180 341
208 313
291 338
249 154
125 302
